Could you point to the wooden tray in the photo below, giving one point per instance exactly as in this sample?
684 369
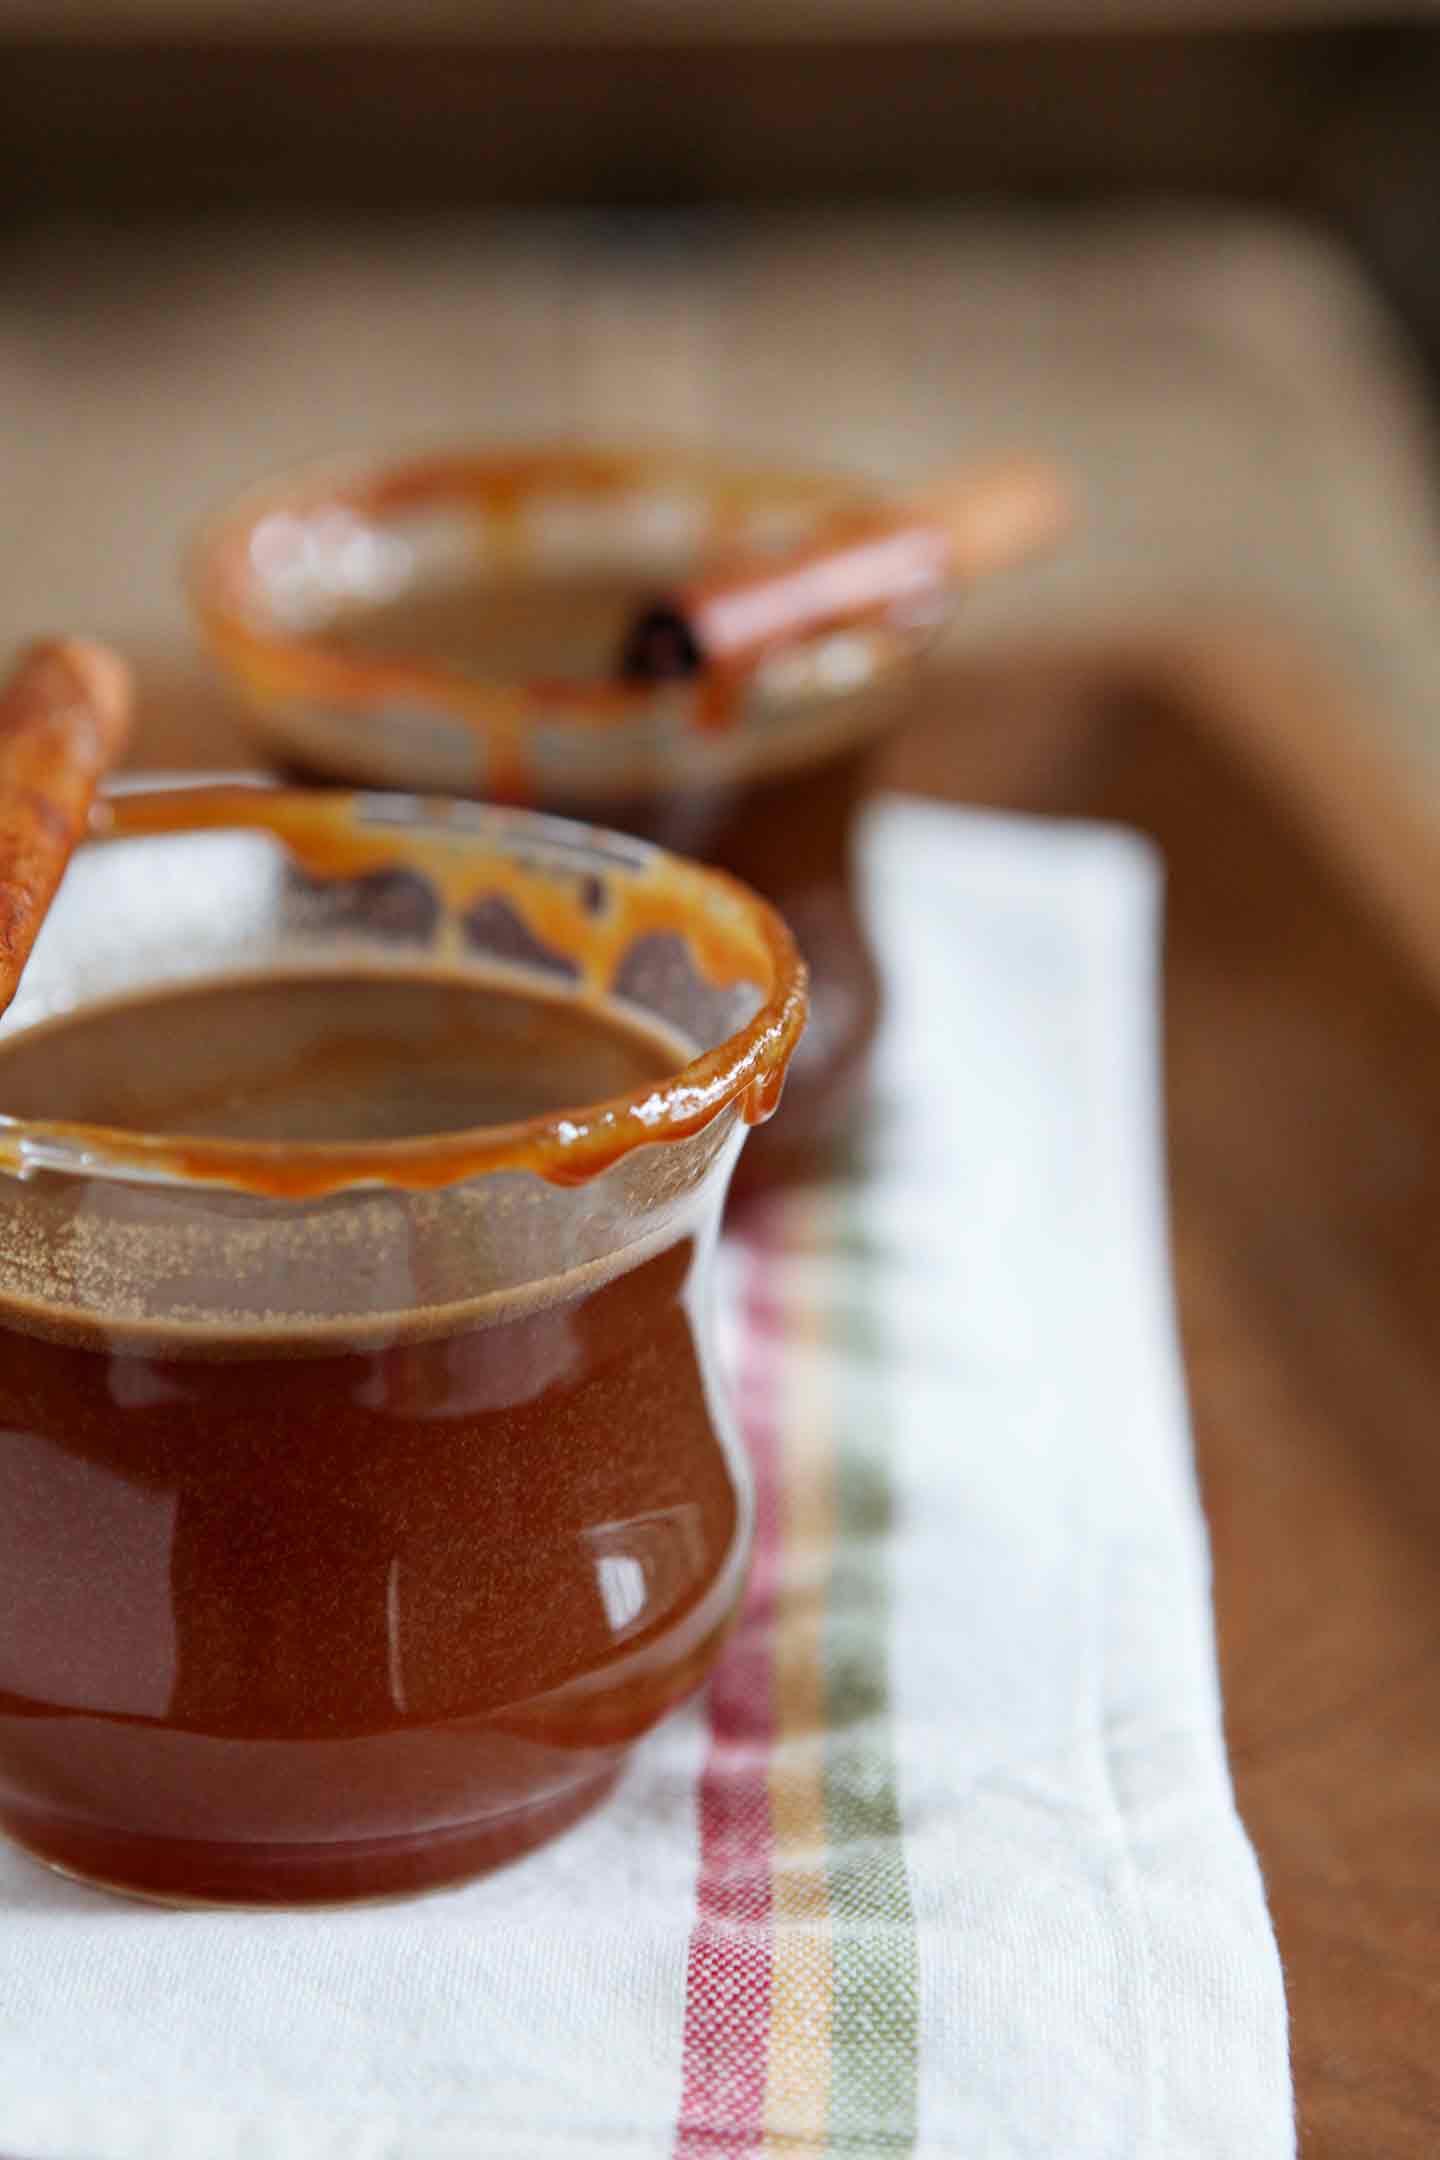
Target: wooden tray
1303 1054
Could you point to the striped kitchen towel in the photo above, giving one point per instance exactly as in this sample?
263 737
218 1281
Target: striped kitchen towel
946 1862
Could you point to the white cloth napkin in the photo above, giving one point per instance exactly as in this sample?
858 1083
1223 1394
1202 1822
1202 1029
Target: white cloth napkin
947 1862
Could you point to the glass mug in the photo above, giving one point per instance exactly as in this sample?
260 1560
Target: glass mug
453 623
361 1502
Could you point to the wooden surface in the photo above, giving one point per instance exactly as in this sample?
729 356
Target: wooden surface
1303 1058
356 113
664 22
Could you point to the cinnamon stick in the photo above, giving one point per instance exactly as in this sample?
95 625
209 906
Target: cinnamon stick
64 720
960 527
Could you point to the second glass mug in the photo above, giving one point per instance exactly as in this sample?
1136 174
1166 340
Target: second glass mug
452 623
360 1504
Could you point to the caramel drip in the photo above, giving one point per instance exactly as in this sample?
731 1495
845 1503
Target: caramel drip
732 939
319 831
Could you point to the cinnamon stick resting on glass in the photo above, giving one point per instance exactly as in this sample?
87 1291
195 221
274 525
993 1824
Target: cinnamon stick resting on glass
960 527
64 721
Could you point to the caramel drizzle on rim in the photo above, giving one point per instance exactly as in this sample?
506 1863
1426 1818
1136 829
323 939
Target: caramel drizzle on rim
278 666
731 935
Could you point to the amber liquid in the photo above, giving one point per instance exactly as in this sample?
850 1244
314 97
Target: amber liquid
286 1617
788 833
528 627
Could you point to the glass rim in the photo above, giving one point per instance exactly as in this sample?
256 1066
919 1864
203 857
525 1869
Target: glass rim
568 1146
245 635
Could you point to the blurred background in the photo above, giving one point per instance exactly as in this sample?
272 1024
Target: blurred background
1186 246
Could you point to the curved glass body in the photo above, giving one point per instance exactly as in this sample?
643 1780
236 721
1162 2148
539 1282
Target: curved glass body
454 623
360 1504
